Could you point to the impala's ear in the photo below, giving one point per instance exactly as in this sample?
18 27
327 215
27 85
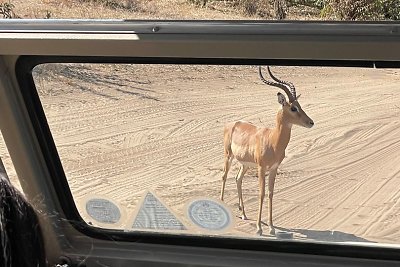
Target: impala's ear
281 99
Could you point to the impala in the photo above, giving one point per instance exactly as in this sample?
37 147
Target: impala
263 148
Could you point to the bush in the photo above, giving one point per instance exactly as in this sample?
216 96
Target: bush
115 4
352 9
7 10
362 9
280 9
250 7
389 9
201 3
311 3
262 8
337 9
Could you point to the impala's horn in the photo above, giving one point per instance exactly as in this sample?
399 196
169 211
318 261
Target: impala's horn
289 84
289 89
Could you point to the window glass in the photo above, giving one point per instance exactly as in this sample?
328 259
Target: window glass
142 147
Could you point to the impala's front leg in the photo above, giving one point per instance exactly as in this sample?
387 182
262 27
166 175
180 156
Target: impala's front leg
261 181
271 184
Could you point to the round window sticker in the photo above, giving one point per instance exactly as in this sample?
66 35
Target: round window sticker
103 210
209 214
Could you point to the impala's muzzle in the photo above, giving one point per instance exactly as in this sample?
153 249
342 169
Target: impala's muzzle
309 124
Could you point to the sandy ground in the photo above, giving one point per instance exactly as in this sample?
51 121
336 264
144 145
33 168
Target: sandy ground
122 130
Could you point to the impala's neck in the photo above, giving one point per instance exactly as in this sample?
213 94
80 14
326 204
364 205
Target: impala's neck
281 132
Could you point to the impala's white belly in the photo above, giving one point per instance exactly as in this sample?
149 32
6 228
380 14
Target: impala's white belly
252 164
248 164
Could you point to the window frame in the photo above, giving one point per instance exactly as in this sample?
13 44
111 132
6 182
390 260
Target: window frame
24 69
27 43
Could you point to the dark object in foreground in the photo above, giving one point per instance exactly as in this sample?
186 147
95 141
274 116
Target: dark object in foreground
21 241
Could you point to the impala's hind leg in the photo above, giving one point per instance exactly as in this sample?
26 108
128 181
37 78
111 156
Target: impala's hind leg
227 165
239 180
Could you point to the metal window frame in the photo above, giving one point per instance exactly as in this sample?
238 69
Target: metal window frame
24 45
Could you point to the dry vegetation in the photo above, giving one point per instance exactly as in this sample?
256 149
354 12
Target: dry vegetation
204 9
153 9
97 9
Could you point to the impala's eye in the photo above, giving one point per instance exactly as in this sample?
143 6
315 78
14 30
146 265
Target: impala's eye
294 109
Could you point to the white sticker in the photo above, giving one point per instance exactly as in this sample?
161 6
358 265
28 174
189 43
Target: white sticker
103 210
209 214
153 214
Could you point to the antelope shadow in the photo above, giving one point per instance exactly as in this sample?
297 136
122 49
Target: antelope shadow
324 235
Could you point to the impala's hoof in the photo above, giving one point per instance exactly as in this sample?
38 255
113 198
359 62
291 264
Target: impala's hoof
259 232
243 217
272 231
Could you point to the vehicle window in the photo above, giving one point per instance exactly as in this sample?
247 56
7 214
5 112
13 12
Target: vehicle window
142 147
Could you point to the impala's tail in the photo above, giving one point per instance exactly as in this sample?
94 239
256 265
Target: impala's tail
228 155
228 130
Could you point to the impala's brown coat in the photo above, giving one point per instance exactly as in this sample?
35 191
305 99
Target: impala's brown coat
261 147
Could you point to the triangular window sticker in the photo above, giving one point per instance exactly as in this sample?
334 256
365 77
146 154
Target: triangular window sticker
153 214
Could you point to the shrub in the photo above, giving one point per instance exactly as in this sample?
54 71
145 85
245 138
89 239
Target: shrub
201 3
363 9
338 9
250 7
389 9
115 4
7 10
280 9
351 9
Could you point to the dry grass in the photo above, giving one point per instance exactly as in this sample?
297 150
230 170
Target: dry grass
138 9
